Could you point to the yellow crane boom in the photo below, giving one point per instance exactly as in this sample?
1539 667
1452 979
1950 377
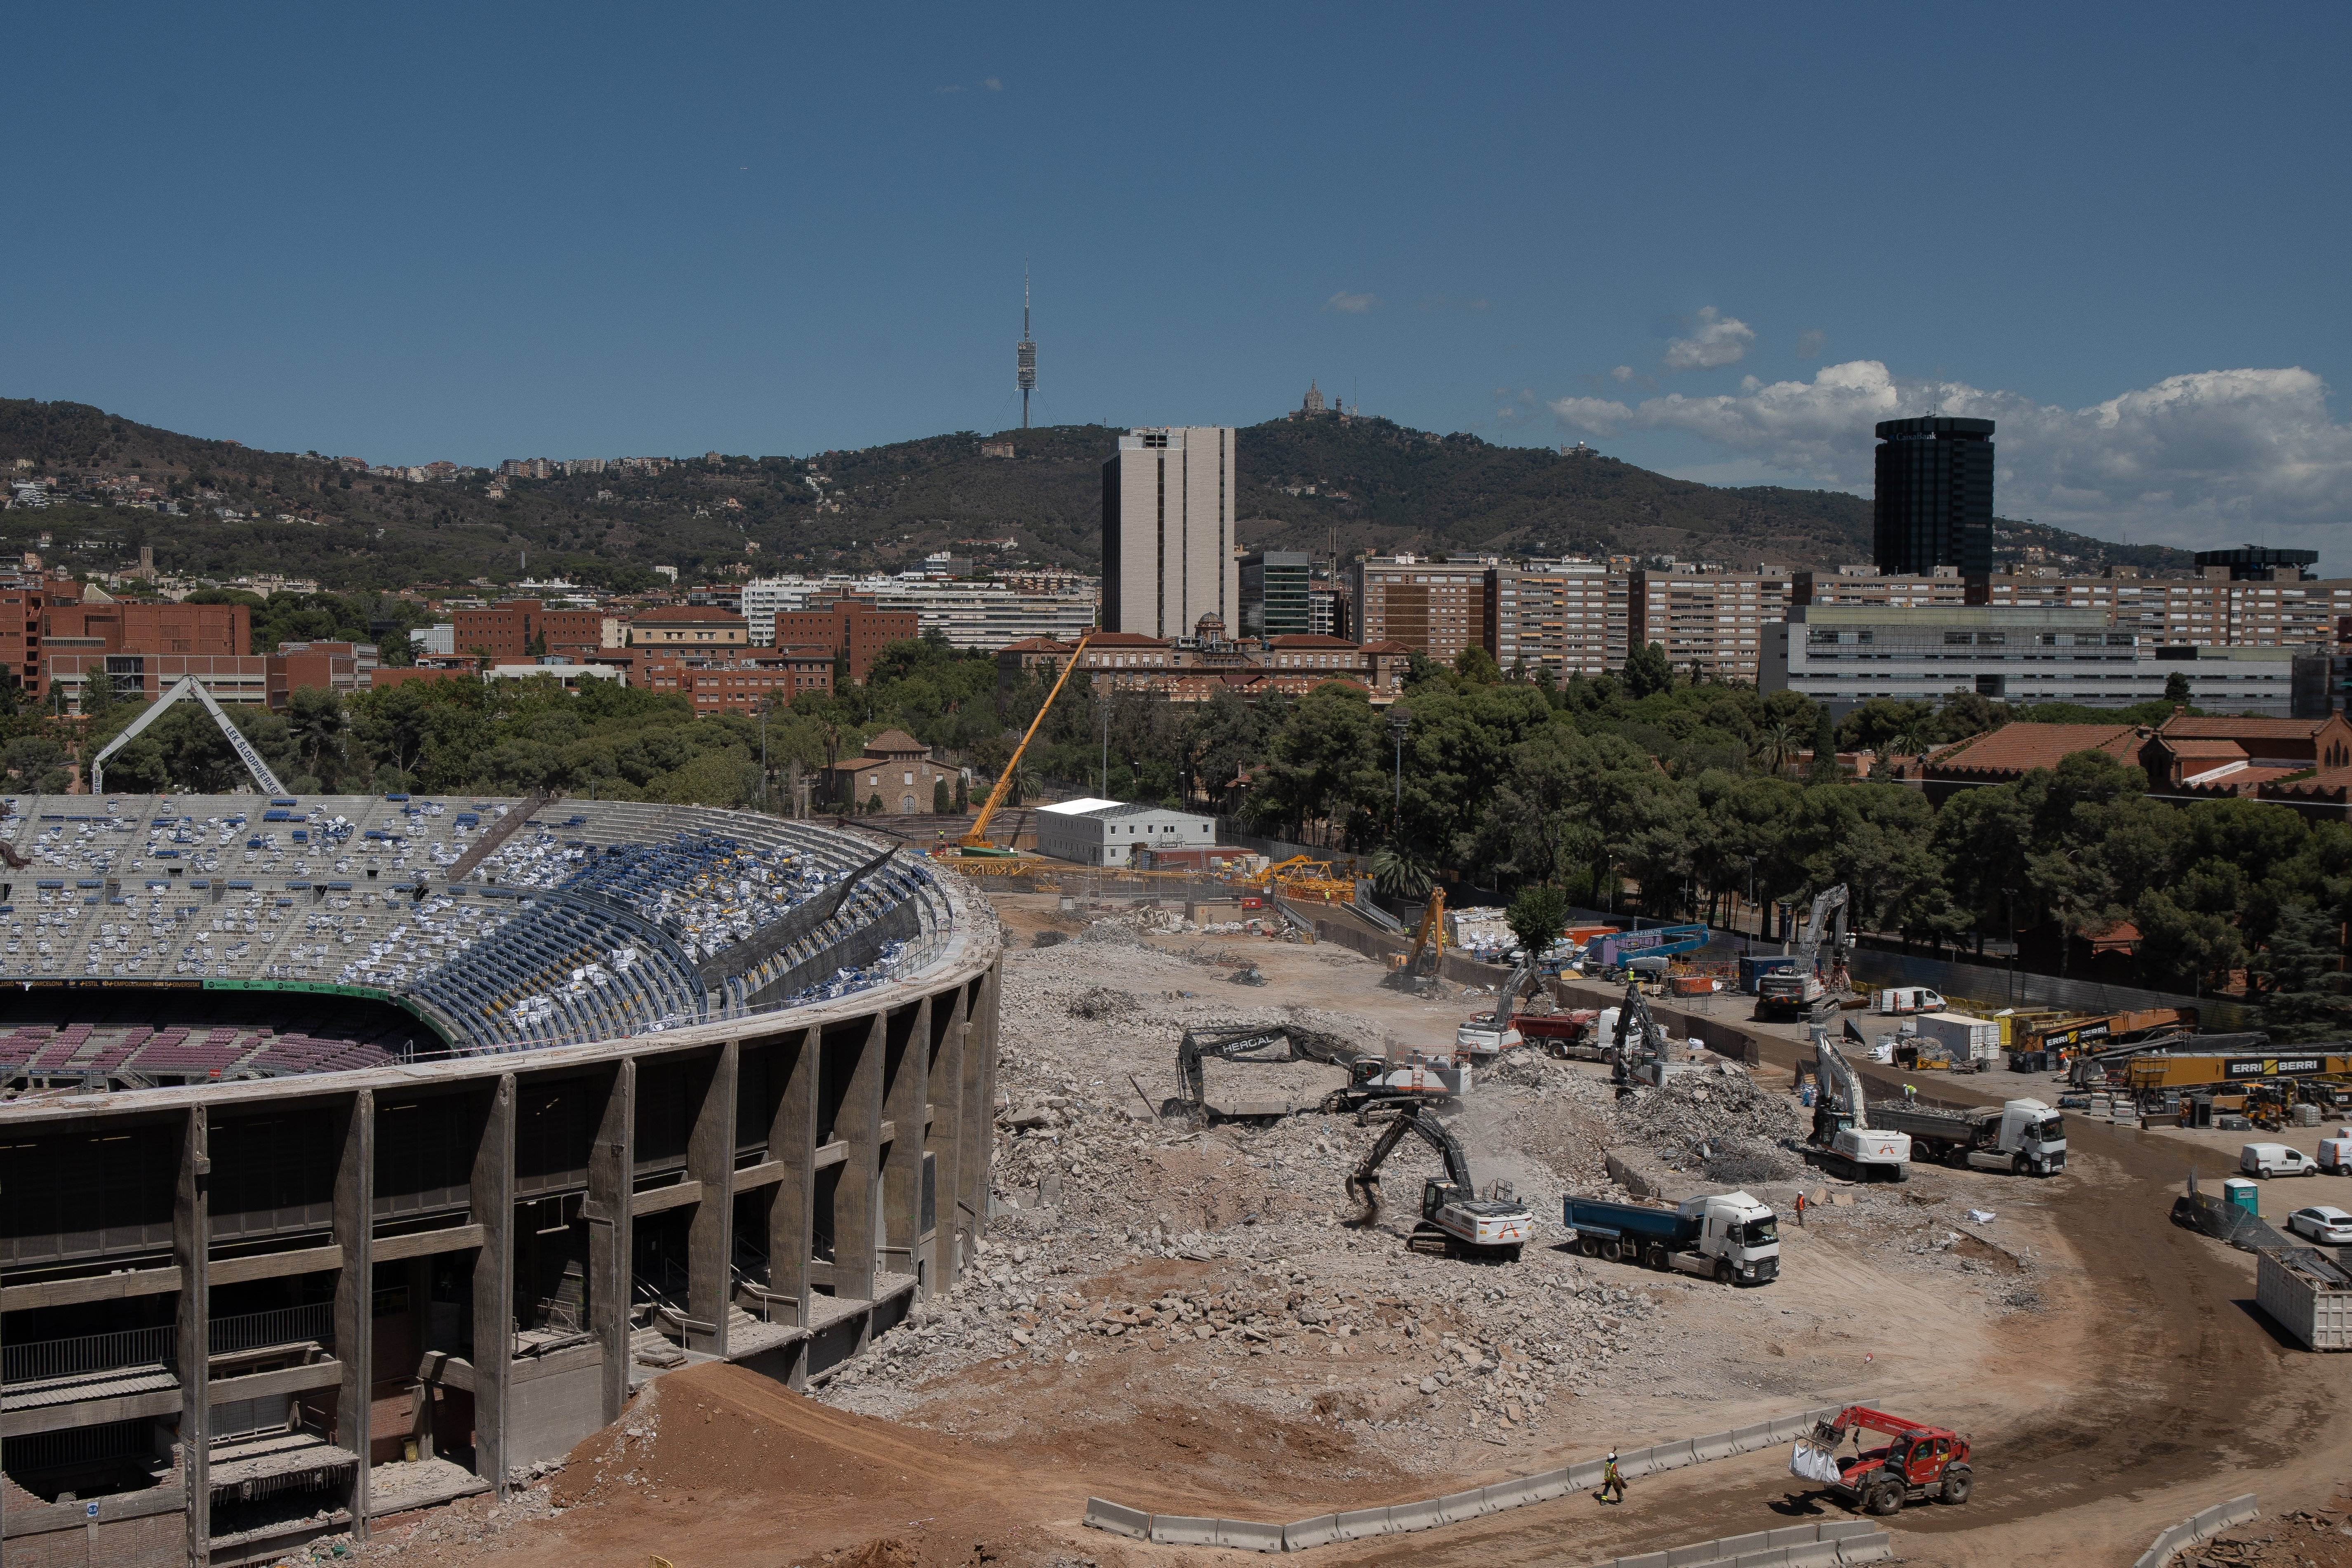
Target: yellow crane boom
975 842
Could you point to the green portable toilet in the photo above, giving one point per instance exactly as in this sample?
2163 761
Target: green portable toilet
2239 1193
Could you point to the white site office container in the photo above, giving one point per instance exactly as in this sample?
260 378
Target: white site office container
1968 1039
2309 1295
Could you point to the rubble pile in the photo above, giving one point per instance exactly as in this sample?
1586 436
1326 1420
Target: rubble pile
1716 1123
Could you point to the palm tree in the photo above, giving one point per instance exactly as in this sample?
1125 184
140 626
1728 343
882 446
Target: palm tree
1776 746
1402 872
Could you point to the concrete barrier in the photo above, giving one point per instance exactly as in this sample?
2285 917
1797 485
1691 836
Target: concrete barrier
1420 1514
2198 1529
1357 1524
1317 1531
1177 1530
1118 1518
1244 1536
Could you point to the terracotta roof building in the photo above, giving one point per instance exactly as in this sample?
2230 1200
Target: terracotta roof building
2221 756
894 774
2009 753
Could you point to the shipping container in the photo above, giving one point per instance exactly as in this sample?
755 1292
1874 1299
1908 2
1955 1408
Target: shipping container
2307 1294
1967 1039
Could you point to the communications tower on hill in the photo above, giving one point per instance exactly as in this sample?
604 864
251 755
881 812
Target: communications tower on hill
1024 354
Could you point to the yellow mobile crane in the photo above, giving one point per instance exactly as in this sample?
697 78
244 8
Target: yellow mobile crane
975 842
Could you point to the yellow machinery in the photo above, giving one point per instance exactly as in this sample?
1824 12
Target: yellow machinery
975 842
1260 878
2164 1070
1429 936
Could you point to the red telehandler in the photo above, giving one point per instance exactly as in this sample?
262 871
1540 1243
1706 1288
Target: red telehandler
1919 1463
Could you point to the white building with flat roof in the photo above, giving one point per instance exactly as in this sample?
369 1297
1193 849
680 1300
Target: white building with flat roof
1106 833
1845 655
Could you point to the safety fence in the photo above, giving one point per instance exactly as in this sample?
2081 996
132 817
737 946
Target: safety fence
1357 1524
2198 1529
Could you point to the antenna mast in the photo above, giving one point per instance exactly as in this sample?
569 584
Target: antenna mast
1025 355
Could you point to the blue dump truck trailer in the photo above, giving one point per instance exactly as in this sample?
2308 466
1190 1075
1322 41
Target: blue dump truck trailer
1728 1236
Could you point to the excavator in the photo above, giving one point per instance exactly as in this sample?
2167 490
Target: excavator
1638 1054
975 842
1454 1217
1492 1034
1374 1083
1797 992
1848 1145
1428 937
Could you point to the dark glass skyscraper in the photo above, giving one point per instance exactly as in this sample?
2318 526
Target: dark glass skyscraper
1935 496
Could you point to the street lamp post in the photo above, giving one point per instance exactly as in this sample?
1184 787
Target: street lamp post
1399 720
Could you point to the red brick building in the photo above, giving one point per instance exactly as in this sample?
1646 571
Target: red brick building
505 633
853 627
746 682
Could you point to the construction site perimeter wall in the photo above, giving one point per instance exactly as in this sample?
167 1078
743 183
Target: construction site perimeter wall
1381 946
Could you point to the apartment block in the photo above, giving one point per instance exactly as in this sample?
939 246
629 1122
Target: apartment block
1710 621
1274 594
1868 585
1168 531
2210 610
1555 615
521 630
1436 608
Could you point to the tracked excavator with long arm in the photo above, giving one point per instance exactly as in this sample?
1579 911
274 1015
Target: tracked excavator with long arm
1454 1217
1374 1083
1802 989
1847 1143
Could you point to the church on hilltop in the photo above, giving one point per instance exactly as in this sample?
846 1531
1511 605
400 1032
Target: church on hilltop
1314 408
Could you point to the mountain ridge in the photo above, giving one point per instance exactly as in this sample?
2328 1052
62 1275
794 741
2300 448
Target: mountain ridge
1327 484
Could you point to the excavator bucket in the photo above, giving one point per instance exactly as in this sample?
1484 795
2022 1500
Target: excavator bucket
1364 1193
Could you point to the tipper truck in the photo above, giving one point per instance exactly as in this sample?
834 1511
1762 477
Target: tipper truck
2025 1137
1729 1235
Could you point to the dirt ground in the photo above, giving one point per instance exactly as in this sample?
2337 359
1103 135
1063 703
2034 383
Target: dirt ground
1176 1317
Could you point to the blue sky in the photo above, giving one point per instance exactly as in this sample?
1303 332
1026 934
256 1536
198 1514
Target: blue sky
1719 241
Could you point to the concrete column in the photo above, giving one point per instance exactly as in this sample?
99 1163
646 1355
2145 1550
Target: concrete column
492 1201
355 1297
945 1081
612 1239
907 1061
191 1245
978 1111
710 1235
855 1195
791 1142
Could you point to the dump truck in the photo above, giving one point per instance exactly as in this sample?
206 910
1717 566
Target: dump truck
1730 1236
1569 1035
2023 1137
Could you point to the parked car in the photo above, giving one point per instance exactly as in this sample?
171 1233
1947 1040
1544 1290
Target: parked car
2323 1222
2275 1159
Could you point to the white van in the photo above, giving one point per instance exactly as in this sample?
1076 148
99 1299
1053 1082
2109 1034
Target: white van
2275 1159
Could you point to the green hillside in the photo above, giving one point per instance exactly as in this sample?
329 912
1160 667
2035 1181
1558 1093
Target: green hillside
1322 484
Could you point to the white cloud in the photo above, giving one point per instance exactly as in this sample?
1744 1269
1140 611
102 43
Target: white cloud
993 84
1622 373
1811 344
2206 458
1716 340
1350 304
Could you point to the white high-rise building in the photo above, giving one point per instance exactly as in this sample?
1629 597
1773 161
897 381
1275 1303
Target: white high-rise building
1168 532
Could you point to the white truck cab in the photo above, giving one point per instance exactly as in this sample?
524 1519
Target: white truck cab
2032 1137
1738 1234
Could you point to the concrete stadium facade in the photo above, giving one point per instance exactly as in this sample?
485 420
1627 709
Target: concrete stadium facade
413 1282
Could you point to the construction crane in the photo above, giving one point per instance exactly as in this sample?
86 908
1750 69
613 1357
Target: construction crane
1260 878
188 686
975 842
1452 1213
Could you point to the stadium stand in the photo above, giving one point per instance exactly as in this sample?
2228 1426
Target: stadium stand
594 921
